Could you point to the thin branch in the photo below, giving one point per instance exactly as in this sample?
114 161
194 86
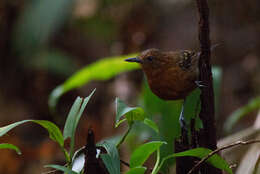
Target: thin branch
125 163
195 167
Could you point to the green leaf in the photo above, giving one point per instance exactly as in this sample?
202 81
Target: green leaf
61 168
151 124
215 160
70 121
54 132
5 129
102 69
52 129
120 122
141 154
73 119
252 105
131 113
136 170
111 159
137 114
10 146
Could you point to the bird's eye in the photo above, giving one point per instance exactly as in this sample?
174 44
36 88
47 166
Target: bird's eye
150 58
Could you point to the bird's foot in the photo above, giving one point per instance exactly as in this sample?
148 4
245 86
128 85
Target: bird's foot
199 84
182 122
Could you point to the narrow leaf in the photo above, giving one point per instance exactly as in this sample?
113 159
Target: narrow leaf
136 170
52 129
5 129
54 132
61 168
83 106
10 146
142 153
70 121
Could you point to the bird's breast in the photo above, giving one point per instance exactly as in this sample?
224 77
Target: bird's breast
172 83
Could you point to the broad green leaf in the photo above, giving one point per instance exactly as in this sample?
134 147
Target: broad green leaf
137 114
167 113
252 105
136 170
111 159
61 168
52 129
151 124
121 109
10 146
142 153
102 69
131 113
215 160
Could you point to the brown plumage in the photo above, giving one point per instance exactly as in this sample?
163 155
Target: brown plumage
171 75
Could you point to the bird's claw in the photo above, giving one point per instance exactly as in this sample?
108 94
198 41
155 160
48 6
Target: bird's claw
182 120
199 84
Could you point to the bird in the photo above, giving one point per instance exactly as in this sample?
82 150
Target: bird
171 75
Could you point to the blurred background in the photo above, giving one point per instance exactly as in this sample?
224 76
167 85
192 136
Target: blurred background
42 43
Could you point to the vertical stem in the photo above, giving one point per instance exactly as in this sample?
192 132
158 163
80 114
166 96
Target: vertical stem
125 135
155 169
207 135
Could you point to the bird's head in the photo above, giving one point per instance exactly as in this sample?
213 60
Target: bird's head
149 59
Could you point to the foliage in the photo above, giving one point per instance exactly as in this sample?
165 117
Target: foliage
237 115
10 146
215 160
103 69
55 133
111 159
130 115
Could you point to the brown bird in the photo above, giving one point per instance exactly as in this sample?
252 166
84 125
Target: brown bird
171 75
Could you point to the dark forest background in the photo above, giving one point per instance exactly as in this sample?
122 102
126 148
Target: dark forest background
42 45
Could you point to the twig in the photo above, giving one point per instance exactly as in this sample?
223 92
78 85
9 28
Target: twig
125 163
195 167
